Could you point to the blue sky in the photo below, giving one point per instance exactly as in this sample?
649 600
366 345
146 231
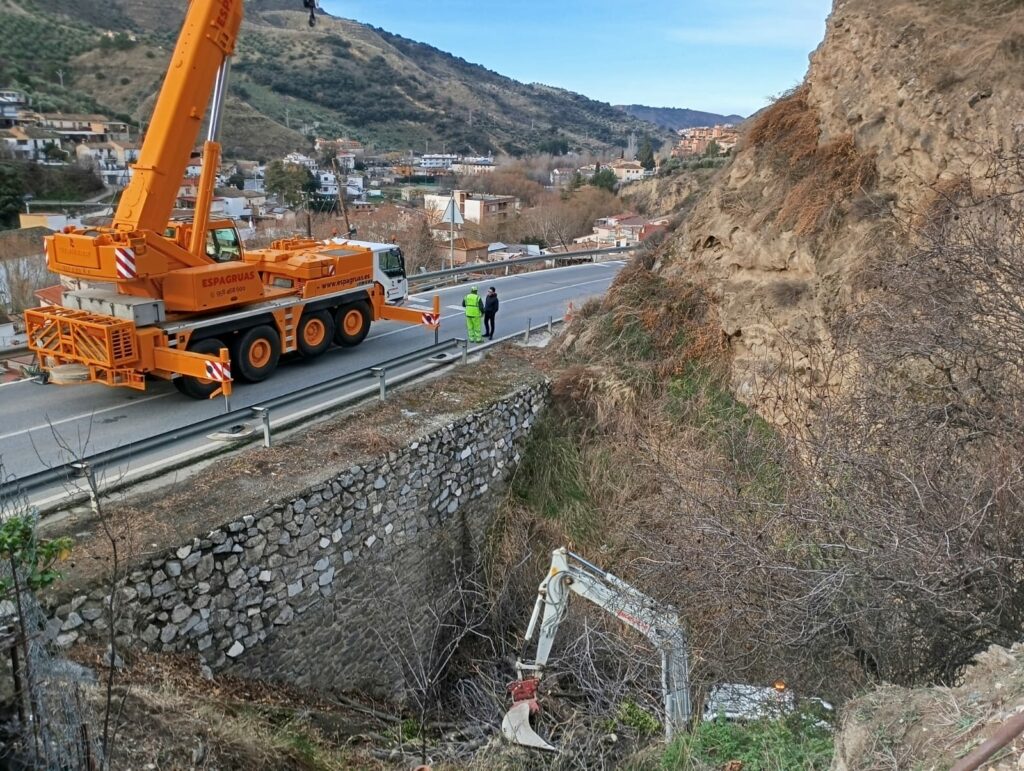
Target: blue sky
719 55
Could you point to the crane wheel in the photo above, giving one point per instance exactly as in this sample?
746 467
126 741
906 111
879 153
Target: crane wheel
255 354
196 387
316 330
353 324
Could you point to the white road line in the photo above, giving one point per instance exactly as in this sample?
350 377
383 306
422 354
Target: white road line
383 334
508 301
83 415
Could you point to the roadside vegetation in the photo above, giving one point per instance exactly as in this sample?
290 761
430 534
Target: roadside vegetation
868 533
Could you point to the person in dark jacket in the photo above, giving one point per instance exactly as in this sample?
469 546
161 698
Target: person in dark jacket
490 311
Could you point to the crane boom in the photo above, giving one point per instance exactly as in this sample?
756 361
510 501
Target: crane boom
182 300
207 39
570 573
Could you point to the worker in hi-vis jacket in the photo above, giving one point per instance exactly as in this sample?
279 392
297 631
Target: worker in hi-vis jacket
474 315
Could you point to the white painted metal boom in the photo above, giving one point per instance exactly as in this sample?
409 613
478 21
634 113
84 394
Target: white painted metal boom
571 573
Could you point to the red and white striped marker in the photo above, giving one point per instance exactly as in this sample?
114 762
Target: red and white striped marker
330 269
217 371
431 320
126 267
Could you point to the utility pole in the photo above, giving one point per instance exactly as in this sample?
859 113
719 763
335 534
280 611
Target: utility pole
451 242
341 198
287 117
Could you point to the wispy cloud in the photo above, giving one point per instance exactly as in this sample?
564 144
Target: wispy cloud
777 25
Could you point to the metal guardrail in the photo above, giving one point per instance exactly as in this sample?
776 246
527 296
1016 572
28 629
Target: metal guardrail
100 461
374 375
18 350
498 265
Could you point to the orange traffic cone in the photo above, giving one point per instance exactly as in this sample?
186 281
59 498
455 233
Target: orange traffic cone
569 313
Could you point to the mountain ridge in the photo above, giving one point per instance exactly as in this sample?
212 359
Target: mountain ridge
290 83
675 118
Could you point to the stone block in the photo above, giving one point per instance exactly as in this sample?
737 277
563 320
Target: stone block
236 579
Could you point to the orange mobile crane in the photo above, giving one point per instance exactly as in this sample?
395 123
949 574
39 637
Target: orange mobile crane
182 300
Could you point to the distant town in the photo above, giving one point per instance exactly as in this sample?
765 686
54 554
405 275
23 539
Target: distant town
339 187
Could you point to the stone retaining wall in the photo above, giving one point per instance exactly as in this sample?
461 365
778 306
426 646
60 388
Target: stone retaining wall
295 590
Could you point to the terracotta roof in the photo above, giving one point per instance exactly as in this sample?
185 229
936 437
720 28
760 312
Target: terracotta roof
469 245
79 117
51 295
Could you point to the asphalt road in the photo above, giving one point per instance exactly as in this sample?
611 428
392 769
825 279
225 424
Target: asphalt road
93 418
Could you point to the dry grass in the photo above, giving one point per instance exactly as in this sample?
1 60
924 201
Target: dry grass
837 172
172 718
821 180
787 131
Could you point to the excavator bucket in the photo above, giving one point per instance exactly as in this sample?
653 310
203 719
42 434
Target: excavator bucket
516 728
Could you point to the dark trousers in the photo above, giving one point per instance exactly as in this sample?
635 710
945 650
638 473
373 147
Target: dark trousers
489 324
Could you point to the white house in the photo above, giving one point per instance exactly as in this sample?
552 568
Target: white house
298 159
328 183
28 142
438 160
346 161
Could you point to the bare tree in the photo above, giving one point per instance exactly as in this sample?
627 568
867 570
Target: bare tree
117 532
422 639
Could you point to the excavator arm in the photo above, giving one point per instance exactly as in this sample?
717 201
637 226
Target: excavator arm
571 574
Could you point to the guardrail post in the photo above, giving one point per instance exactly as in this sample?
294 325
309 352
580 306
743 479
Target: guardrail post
85 471
464 344
526 335
381 381
263 413
551 324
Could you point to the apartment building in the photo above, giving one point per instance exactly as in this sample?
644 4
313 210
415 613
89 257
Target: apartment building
29 143
696 141
479 208
12 102
84 128
433 161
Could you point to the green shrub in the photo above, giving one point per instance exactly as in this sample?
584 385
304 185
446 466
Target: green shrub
632 715
798 742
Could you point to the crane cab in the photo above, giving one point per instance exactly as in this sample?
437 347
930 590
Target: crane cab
223 243
388 268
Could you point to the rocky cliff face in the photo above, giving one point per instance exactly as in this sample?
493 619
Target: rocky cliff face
901 101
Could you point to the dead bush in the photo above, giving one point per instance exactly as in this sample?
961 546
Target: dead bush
786 133
786 294
837 172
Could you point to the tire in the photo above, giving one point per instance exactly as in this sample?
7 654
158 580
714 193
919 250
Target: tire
200 388
315 333
256 353
352 324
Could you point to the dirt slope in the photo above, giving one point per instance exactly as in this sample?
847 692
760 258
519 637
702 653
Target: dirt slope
930 728
901 99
